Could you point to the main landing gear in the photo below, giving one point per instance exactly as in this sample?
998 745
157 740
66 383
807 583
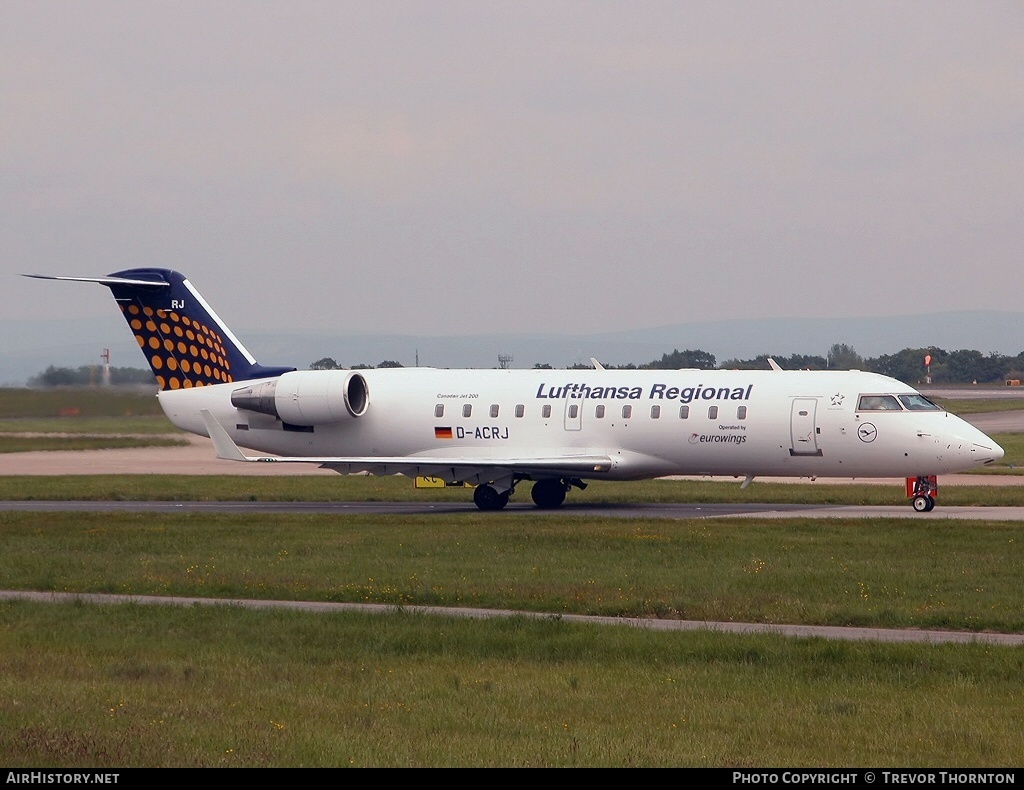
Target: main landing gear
548 494
487 497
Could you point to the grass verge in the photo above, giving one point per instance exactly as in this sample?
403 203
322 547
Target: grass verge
89 686
12 443
78 402
118 426
962 406
877 573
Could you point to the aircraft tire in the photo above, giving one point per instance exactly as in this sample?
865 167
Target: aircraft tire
921 504
548 493
487 498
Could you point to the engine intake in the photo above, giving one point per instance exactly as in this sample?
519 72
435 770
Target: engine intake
307 397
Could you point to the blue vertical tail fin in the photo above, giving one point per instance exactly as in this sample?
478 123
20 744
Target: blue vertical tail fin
184 340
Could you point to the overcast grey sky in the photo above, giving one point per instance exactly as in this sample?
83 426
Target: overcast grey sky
460 167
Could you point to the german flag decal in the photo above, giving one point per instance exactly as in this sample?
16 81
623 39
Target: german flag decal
443 433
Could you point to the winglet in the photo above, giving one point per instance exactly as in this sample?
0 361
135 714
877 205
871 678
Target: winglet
773 364
222 443
597 365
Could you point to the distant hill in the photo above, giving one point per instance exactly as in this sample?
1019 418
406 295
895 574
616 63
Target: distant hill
28 347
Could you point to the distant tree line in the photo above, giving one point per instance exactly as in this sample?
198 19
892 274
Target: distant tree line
674 361
964 366
945 367
328 363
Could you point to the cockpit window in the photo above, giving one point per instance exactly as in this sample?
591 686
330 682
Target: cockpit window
878 403
918 402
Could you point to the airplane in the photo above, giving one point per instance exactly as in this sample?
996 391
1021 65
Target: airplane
557 429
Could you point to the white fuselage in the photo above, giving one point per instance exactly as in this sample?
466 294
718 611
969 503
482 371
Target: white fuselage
648 422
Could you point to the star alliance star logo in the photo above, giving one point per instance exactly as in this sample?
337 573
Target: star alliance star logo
837 399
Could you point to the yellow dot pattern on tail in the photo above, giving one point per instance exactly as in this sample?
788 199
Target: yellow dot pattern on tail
182 351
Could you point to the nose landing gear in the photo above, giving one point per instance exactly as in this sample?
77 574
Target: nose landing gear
922 492
922 504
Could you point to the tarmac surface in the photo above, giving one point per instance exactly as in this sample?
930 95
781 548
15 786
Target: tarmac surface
612 510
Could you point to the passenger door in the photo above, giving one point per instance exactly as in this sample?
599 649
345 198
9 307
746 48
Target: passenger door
803 429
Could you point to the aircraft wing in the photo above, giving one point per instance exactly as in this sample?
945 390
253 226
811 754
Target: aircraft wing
470 470
444 467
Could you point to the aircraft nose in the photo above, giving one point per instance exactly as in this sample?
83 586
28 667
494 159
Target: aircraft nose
975 446
984 450
996 451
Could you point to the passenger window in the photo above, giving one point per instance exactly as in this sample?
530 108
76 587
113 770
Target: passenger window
574 411
520 410
684 412
741 412
878 403
467 410
713 413
655 412
627 412
494 409
599 411
439 410
545 411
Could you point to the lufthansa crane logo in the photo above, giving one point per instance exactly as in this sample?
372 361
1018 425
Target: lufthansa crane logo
867 432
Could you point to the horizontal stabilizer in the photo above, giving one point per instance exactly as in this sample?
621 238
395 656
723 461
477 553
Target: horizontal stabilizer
101 280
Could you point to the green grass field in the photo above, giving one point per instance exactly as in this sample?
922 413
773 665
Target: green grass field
13 443
122 686
71 402
980 405
82 419
878 573
84 685
115 426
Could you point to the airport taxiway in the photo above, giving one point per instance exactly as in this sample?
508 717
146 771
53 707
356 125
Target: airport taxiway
605 510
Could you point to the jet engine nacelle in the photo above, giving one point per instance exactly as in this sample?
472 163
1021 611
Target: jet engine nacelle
307 397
